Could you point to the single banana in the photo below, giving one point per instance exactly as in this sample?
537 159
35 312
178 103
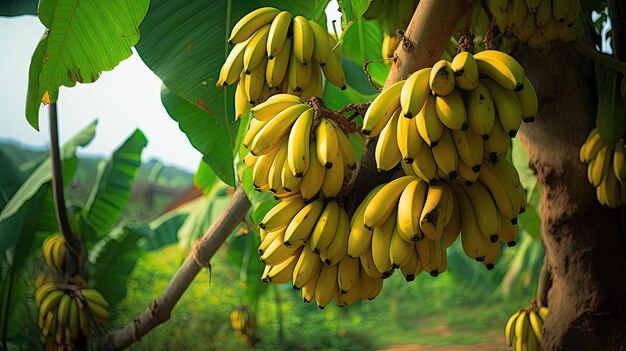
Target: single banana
308 290
50 302
242 103
253 129
42 292
508 233
384 202
536 324
509 329
446 156
465 70
298 150
528 101
326 143
400 250
233 65
338 247
326 287
333 70
441 80
348 274
452 230
283 272
601 165
387 153
381 242
381 110
414 92
410 207
277 252
314 176
277 35
466 173
485 209
502 190
274 177
619 161
325 227
73 319
428 123
408 139
437 211
315 87
276 70
333 179
280 216
254 82
345 147
507 105
425 166
297 73
322 46
521 328
412 268
368 265
591 146
469 147
429 252
303 39
262 167
451 110
255 52
544 13
500 67
307 268
499 141
481 112
274 130
299 229
360 237
250 23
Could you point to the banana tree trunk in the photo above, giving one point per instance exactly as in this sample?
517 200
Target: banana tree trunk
585 242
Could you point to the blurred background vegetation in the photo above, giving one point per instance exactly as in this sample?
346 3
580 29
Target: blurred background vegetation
167 210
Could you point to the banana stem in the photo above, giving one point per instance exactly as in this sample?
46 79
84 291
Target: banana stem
599 57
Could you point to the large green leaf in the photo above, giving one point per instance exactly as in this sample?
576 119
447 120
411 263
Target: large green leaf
43 173
18 7
164 229
84 39
114 263
114 188
184 43
204 133
205 178
352 10
362 42
10 178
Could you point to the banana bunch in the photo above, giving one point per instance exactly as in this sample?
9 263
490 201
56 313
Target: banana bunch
242 320
307 243
539 21
62 314
607 168
390 43
276 52
524 328
54 250
440 121
292 151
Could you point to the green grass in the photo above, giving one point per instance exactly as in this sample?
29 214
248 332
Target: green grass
436 311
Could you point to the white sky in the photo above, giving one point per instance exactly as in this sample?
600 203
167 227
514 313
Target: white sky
122 100
126 98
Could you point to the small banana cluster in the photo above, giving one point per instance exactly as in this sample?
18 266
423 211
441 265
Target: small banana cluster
307 243
62 314
391 15
243 321
291 151
275 52
524 328
447 116
539 21
54 250
61 300
607 168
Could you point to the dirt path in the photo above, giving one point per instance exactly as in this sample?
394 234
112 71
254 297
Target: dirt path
477 347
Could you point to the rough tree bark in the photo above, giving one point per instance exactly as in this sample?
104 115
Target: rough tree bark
585 242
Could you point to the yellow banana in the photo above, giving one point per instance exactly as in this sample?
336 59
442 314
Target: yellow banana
307 267
465 70
425 166
254 82
348 274
255 52
441 80
481 112
387 153
253 129
508 233
499 141
437 211
303 40
451 110
384 202
400 250
428 123
63 312
298 150
274 178
345 147
274 130
281 215
381 110
314 176
250 23
536 324
368 265
297 73
233 65
277 252
452 230
276 70
619 161
601 165
73 319
338 247
507 105
502 190
429 252
408 139
412 268
509 329
315 87
326 143
308 290
500 67
283 272
299 229
325 227
50 302
326 287
466 173
528 101
591 146
414 92
487 215
469 147
321 47
333 70
381 242
43 291
544 13
521 328
277 35
445 155
360 237
333 179
242 104
560 8
410 207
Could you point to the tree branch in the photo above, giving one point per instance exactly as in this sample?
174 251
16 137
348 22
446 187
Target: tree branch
426 37
161 308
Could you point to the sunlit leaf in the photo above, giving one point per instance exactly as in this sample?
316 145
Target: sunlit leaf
352 9
362 42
